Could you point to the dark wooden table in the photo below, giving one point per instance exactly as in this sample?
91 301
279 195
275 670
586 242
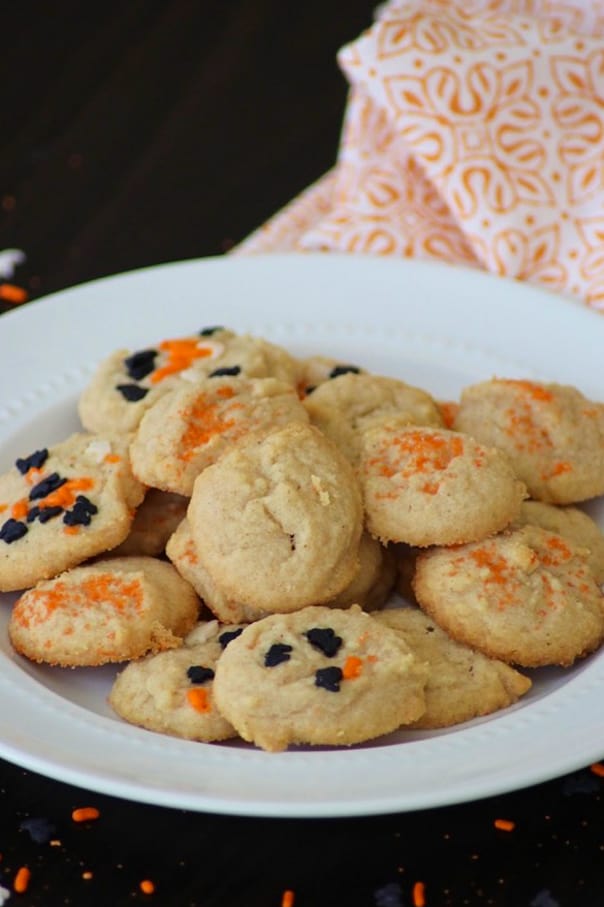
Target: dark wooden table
144 132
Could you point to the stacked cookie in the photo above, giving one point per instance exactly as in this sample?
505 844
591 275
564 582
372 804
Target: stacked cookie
232 521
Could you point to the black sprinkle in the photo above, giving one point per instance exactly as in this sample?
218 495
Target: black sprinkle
12 531
43 514
199 674
34 461
544 898
225 370
325 640
40 830
344 370
309 389
81 513
278 653
328 679
46 486
207 332
140 364
132 392
228 636
583 782
391 895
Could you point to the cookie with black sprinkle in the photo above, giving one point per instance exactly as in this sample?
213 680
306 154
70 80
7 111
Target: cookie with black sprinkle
171 692
319 676
62 505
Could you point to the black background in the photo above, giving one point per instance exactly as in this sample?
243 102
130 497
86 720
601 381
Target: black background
142 132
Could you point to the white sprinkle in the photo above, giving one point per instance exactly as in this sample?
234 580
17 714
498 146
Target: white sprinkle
9 260
97 451
4 895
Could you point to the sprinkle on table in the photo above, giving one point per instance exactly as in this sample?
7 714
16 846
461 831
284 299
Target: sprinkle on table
147 886
598 769
85 814
419 894
12 294
288 898
504 824
21 881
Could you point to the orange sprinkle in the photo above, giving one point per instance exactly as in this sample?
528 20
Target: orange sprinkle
419 895
448 410
181 354
530 388
85 814
87 874
353 667
112 458
21 881
598 769
204 419
147 886
288 898
19 509
3 507
198 699
504 824
13 294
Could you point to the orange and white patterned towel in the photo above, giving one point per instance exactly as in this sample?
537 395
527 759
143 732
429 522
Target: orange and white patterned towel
474 134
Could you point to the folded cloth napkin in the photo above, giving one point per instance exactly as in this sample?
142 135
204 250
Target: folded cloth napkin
473 134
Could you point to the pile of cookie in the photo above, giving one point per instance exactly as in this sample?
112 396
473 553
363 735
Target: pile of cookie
232 522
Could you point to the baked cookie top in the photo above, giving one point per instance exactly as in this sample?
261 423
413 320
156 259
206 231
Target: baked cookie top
431 486
171 692
462 682
318 676
571 523
526 596
192 425
182 552
345 406
116 609
315 370
277 520
63 504
129 382
553 435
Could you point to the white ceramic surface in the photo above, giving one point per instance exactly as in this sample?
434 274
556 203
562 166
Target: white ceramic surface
434 326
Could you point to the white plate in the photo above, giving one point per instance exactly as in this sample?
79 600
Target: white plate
435 326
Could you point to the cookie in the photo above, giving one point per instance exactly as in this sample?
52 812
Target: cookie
344 407
277 520
526 596
553 435
319 676
462 682
375 579
64 504
191 426
156 519
114 610
571 523
171 692
128 383
431 486
182 552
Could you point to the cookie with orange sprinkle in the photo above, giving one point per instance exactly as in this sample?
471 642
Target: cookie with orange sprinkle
113 610
552 433
432 486
526 596
191 426
63 504
319 676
